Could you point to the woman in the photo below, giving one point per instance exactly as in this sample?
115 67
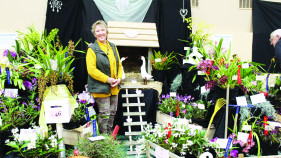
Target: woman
104 76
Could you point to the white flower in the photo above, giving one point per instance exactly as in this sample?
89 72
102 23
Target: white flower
184 146
189 143
47 147
15 130
54 142
31 145
174 145
7 141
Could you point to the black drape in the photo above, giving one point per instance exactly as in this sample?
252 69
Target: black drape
75 18
266 18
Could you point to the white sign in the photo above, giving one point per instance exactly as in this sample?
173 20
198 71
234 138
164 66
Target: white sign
29 134
201 106
260 78
221 143
9 92
158 60
234 77
246 128
57 111
161 153
200 73
91 111
258 98
7 40
241 101
54 64
245 65
96 138
242 136
173 94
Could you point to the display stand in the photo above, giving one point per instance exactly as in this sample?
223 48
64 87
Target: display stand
134 34
226 111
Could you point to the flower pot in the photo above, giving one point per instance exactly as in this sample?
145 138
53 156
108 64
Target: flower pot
164 119
268 146
161 76
150 151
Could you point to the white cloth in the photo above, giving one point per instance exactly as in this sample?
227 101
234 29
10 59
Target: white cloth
123 10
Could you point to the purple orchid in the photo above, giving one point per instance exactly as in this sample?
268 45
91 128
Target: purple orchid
234 153
27 85
214 140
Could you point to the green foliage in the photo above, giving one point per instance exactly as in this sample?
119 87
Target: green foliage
161 61
176 83
35 147
102 148
15 113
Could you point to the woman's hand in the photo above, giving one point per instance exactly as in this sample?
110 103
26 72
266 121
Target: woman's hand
116 82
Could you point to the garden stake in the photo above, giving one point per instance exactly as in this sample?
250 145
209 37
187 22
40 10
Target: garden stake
226 111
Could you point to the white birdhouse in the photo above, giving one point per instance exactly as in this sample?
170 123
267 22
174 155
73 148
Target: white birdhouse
194 57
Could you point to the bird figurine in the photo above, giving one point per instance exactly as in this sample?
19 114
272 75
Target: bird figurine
121 60
144 74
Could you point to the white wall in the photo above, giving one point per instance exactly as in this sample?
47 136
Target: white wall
17 15
227 19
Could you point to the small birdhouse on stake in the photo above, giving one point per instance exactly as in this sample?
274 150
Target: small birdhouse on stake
194 57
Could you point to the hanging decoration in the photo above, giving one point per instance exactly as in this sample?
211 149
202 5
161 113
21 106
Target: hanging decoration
55 4
122 5
183 12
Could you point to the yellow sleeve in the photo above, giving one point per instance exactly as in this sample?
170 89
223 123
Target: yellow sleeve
92 69
120 70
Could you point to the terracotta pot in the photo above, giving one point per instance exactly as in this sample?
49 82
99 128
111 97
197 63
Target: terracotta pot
79 157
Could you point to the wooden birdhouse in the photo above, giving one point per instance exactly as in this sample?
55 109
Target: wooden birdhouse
194 57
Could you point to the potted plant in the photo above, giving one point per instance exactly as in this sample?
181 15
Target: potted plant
104 148
30 146
178 138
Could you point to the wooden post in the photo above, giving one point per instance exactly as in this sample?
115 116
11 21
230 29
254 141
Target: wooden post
226 111
61 145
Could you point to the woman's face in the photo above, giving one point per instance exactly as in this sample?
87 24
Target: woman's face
100 33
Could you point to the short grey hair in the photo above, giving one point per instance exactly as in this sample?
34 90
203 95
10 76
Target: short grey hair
99 22
275 33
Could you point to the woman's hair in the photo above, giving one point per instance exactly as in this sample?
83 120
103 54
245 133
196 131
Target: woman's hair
99 22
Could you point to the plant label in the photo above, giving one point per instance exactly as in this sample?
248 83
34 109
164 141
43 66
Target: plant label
57 111
242 136
54 64
201 106
11 92
234 77
247 128
271 85
245 65
221 143
258 98
173 94
200 73
91 111
161 153
158 60
29 134
260 78
241 101
96 138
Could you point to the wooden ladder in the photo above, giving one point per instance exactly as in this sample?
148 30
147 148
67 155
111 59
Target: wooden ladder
130 122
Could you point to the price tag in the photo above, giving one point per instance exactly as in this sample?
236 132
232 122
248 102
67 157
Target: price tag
234 77
54 64
260 78
161 153
158 60
200 73
57 111
245 65
241 101
201 106
242 136
173 94
258 98
9 92
204 90
29 134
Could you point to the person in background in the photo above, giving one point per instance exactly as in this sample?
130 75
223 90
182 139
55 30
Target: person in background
276 43
104 76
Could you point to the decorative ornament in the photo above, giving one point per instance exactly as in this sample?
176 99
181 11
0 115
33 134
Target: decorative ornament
183 12
122 5
55 4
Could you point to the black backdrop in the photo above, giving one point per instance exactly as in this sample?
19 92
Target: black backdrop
266 18
75 18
